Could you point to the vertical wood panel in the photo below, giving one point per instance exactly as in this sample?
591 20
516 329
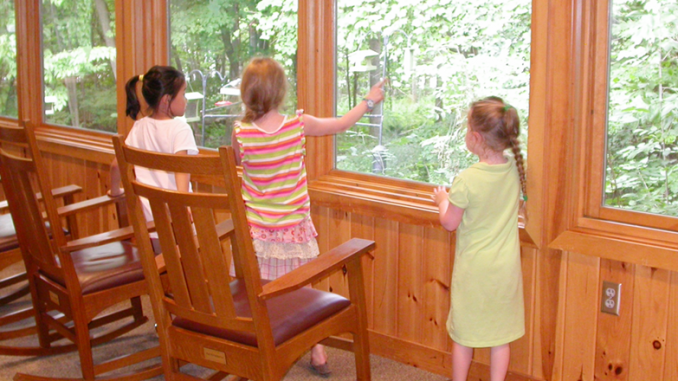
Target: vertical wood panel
437 263
321 221
582 297
671 363
386 270
409 286
339 224
363 227
521 350
650 311
614 332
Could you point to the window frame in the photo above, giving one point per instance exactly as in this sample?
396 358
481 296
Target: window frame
590 227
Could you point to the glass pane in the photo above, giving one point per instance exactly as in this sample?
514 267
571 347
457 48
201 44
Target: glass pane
642 156
8 97
440 56
78 40
211 42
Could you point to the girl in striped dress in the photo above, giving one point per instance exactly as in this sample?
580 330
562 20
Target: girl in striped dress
270 147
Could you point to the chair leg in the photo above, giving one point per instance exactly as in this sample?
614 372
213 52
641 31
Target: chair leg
83 341
136 307
362 357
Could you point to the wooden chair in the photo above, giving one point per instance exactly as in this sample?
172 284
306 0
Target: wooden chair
10 254
77 279
244 326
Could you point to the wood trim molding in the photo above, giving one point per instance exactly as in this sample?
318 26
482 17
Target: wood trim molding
618 248
316 66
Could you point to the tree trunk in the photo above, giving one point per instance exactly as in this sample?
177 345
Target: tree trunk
71 86
104 18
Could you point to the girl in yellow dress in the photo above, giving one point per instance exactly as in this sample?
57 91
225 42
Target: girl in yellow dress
482 205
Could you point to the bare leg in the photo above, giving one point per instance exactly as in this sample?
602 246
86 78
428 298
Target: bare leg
499 362
461 361
318 355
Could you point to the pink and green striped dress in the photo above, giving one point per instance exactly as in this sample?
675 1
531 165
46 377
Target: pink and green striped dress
276 197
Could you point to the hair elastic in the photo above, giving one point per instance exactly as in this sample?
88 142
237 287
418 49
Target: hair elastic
507 107
525 197
141 77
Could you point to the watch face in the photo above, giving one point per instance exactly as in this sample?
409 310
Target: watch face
370 103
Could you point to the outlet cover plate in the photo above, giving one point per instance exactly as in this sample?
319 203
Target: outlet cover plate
611 296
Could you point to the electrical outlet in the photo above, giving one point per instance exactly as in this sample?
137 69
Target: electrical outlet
609 303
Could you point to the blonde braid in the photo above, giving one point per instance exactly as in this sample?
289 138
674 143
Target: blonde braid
520 163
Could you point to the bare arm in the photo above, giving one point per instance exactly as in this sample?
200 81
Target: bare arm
236 147
326 126
115 190
450 215
182 179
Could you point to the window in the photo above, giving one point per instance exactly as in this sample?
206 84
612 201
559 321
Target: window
642 127
79 63
439 56
8 93
211 42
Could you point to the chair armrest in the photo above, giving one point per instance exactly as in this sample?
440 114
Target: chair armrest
98 239
318 268
66 191
87 205
103 238
61 192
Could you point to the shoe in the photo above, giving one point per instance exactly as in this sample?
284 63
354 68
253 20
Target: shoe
322 369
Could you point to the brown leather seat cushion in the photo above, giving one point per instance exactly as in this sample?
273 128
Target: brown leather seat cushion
8 240
103 267
290 314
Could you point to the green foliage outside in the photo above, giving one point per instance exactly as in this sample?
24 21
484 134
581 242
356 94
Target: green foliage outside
218 38
8 99
78 38
642 156
441 56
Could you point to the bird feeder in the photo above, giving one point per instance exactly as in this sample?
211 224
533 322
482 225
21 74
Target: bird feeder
194 107
50 102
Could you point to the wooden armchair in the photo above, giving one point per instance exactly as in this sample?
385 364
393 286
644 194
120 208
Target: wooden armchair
71 282
244 326
10 254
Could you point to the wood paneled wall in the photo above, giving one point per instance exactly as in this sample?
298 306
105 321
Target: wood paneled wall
408 284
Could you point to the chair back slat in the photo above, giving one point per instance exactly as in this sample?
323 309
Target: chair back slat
175 269
191 258
214 265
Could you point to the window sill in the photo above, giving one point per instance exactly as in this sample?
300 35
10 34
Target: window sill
398 200
615 243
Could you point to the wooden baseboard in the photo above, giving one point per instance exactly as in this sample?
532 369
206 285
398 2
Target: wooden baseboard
419 356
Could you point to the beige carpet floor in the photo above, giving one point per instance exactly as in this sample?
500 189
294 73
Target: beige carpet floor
67 365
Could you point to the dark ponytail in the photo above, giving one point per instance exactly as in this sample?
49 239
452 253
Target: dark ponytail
156 83
133 105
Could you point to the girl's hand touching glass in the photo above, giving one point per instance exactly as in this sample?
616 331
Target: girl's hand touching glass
440 194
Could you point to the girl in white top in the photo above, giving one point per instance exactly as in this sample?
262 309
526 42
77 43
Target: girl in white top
163 89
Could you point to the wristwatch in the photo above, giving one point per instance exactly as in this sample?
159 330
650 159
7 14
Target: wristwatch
370 104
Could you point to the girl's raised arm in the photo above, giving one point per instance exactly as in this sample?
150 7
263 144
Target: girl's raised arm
326 126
